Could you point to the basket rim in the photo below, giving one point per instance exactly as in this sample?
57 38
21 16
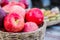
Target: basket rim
44 25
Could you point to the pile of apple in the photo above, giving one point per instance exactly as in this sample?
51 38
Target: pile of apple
15 18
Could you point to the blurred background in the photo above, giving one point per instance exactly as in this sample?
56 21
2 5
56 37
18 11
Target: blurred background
45 3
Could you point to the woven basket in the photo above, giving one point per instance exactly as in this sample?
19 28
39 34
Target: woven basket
35 35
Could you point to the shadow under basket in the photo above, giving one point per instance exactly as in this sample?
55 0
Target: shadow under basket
35 35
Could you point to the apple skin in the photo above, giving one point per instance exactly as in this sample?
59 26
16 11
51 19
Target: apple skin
18 3
13 22
25 3
7 7
35 15
19 10
4 2
30 26
15 8
22 5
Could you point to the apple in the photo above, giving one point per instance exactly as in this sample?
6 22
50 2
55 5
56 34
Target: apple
14 8
4 2
25 3
7 7
35 15
22 4
2 15
13 22
30 26
17 9
18 3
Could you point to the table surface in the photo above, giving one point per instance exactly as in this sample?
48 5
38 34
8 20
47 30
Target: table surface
52 33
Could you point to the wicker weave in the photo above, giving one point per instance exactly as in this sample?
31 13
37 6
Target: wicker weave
35 35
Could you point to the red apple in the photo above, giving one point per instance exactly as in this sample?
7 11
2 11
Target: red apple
17 9
14 8
25 3
4 2
18 3
30 26
8 6
35 15
22 4
13 22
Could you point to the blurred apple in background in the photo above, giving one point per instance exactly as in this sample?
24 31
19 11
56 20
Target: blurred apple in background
18 3
7 8
25 2
4 2
17 9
